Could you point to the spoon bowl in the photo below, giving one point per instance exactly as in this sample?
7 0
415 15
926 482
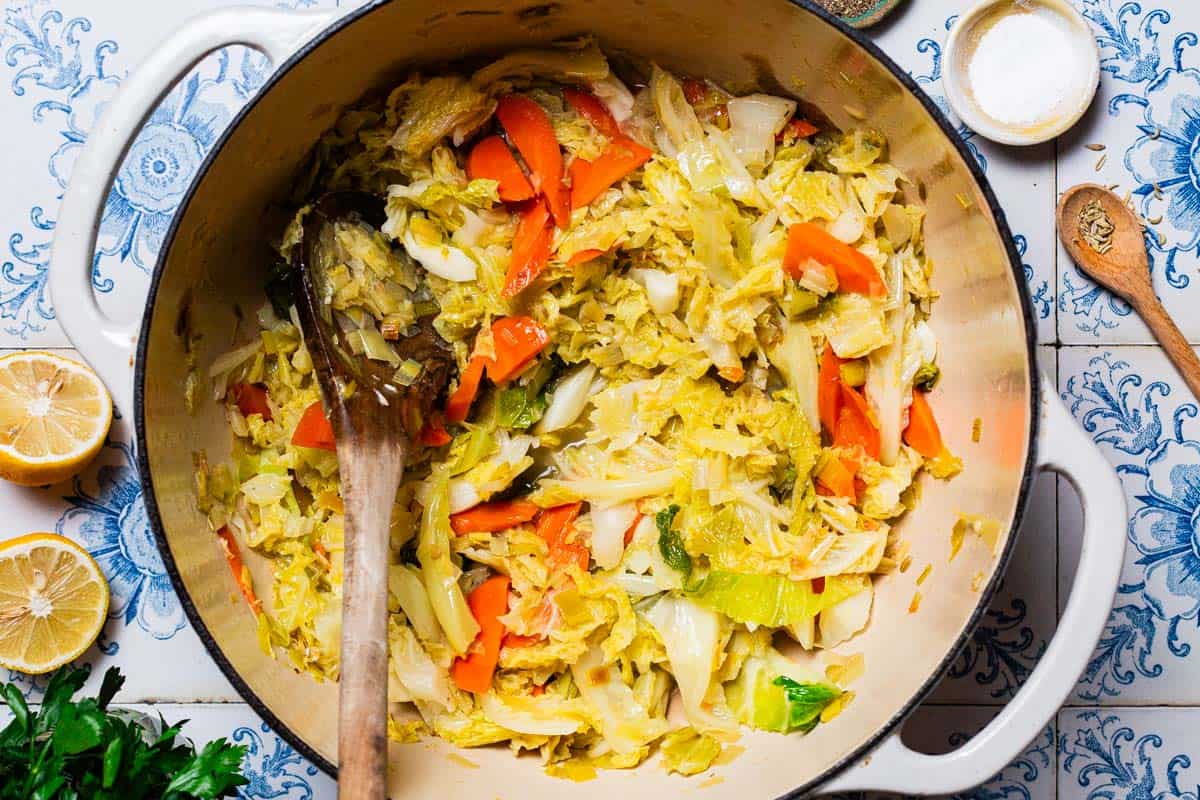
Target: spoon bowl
1108 243
375 417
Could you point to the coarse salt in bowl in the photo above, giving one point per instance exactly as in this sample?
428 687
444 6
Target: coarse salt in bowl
1021 71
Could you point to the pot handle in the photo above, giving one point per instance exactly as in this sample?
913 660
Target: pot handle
105 343
1063 447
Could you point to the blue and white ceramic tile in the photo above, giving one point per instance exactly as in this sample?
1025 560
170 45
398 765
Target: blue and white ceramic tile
1022 178
61 61
1107 753
1132 402
1147 116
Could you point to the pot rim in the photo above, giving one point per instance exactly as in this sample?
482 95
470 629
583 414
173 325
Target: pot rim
986 594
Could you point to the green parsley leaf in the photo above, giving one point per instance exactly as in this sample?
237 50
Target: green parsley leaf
806 701
670 543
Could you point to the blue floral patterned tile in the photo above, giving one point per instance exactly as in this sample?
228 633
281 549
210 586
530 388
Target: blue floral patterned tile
1106 753
1147 117
62 62
1016 629
1023 178
1134 405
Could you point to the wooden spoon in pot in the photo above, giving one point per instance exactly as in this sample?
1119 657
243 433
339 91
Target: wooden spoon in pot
1123 268
374 420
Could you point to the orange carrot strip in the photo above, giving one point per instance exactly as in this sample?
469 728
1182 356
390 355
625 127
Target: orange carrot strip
492 517
529 129
837 480
554 525
241 575
829 396
530 248
433 433
314 430
632 529
468 386
518 340
922 433
856 273
251 398
796 129
492 160
473 672
584 256
854 425
588 106
590 179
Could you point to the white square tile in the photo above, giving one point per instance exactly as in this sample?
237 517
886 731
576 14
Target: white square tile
1132 402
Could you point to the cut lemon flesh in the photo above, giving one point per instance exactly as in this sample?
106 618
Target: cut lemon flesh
54 415
53 602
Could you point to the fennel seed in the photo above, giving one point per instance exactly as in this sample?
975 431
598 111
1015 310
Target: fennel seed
1095 227
1100 163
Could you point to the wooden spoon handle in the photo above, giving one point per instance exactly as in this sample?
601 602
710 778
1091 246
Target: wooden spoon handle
370 475
1173 342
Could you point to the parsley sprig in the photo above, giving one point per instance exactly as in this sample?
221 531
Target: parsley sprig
69 749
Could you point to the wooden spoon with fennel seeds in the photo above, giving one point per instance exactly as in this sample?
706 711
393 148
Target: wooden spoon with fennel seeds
375 416
1107 242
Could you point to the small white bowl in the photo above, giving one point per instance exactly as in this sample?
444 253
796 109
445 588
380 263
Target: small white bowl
961 45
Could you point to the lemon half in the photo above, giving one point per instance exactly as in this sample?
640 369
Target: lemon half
54 416
53 602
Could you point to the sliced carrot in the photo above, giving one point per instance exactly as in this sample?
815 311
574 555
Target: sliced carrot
529 129
460 402
473 672
322 554
855 272
492 517
314 429
836 479
530 248
588 106
518 340
632 529
584 256
590 179
492 160
251 398
922 433
796 129
854 425
241 575
555 526
433 433
829 395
